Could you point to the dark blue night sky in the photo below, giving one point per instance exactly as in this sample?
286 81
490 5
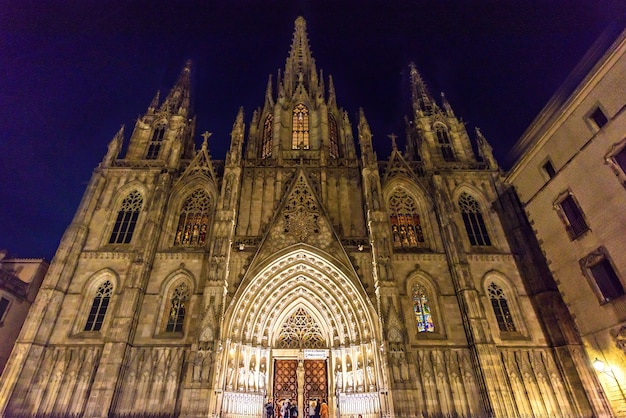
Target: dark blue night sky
73 72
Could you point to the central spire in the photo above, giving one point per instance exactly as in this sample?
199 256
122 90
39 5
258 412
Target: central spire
300 66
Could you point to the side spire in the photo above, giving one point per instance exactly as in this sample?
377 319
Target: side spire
485 151
114 148
422 103
177 101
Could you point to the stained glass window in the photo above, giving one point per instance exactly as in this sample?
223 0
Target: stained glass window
266 149
193 222
501 308
300 133
99 307
155 142
127 219
421 307
333 139
301 331
176 314
443 139
406 227
473 220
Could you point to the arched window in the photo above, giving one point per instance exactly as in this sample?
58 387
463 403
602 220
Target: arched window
443 140
127 219
333 138
99 307
421 307
473 220
300 133
177 306
193 222
155 142
266 148
301 331
501 308
406 227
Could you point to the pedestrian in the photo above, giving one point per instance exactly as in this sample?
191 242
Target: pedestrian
324 410
285 409
269 409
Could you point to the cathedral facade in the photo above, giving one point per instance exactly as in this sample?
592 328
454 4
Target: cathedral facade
300 268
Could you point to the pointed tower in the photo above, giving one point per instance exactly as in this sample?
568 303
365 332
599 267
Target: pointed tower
164 133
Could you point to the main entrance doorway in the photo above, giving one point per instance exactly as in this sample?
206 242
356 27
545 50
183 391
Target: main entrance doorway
303 383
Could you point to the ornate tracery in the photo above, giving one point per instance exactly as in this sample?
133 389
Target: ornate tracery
501 308
193 221
406 227
127 219
473 220
301 331
300 127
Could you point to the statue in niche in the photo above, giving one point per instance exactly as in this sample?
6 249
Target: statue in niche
241 377
251 379
197 367
370 374
338 379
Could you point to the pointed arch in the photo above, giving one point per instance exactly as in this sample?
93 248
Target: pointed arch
267 138
97 296
176 293
156 140
502 299
423 295
423 206
473 220
193 219
127 216
300 127
443 142
300 277
406 223
180 195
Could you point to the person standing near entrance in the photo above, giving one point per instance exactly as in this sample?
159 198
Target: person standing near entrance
285 409
269 409
324 410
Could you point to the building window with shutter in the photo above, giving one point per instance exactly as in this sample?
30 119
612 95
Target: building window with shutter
572 215
602 276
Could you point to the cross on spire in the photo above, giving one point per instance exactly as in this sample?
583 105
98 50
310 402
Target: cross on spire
206 136
393 138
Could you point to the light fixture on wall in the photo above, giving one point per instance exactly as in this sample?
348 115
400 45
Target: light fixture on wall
600 367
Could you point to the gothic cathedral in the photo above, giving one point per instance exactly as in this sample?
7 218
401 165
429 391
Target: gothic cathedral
300 268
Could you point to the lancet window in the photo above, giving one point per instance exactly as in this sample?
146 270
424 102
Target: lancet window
127 219
301 331
193 222
333 138
443 140
421 307
155 142
501 308
266 146
473 220
177 307
300 128
406 227
99 307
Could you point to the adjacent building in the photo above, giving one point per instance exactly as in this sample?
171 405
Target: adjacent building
300 268
571 179
20 279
